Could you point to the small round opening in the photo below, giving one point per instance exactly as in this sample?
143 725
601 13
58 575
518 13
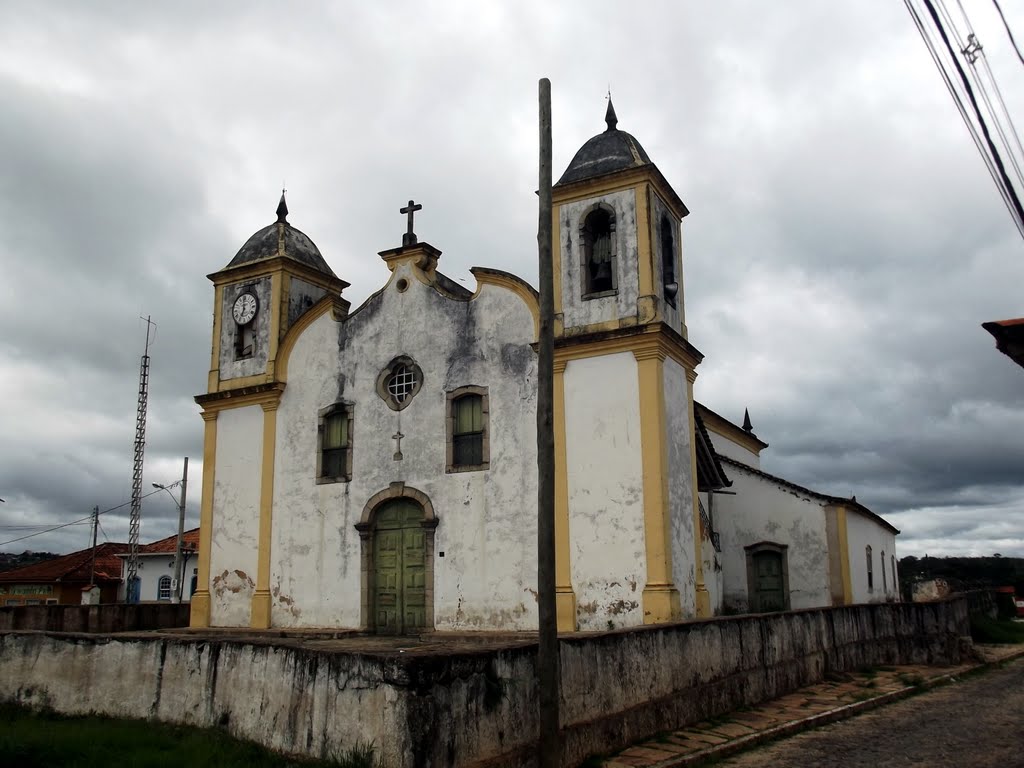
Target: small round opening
402 285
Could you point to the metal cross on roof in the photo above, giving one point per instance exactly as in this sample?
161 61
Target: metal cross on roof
409 238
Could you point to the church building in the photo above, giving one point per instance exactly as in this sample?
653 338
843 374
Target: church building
375 468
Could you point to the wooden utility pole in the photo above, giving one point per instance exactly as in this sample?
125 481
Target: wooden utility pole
549 750
95 528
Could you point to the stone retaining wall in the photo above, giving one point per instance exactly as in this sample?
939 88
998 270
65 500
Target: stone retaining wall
114 617
471 707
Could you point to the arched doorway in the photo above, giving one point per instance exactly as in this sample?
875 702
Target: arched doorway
397 532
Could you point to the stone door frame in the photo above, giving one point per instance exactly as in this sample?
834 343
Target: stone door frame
367 620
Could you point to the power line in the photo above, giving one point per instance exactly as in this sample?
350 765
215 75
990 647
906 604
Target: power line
75 522
1009 32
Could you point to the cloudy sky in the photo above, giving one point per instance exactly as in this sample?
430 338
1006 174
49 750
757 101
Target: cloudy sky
844 244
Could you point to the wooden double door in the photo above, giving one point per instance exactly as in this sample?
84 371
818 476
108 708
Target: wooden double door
769 584
399 569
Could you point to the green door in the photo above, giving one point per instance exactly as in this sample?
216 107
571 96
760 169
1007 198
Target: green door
768 581
399 568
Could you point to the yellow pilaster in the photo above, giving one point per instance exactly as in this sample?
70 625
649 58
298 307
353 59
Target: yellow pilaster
260 614
844 555
702 598
213 379
565 598
660 597
200 607
645 258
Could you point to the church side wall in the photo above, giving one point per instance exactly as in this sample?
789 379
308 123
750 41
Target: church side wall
764 512
575 311
236 499
862 532
727 447
487 573
679 429
605 484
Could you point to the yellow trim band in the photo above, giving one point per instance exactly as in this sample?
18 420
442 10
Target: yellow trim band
260 617
199 615
844 555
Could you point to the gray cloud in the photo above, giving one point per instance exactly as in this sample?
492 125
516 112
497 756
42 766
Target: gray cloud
843 248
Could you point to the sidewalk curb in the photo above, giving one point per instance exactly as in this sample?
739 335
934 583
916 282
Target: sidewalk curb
844 712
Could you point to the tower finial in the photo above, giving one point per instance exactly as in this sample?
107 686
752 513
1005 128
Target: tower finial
282 209
609 116
747 426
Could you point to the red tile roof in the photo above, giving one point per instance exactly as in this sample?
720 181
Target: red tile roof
168 545
73 567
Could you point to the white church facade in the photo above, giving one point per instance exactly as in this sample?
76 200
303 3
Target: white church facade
376 468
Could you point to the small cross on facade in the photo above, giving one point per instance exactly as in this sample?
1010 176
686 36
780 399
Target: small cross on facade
397 437
409 238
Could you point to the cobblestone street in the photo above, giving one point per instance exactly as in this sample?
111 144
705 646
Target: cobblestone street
974 723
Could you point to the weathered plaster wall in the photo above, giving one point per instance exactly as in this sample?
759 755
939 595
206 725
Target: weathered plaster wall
605 483
575 311
236 500
301 296
230 368
471 707
713 574
679 434
862 531
673 314
762 511
487 573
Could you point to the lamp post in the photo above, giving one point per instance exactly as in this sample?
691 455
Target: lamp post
176 584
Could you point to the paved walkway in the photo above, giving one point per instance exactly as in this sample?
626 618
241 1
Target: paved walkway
807 708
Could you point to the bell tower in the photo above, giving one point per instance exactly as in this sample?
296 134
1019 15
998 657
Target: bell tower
273 280
625 452
618 252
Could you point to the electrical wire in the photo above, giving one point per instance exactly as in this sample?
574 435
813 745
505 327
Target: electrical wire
1009 32
77 522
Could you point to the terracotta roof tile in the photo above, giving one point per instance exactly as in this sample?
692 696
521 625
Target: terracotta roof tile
73 567
190 541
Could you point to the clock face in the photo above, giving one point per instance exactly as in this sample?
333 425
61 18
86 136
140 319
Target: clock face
244 309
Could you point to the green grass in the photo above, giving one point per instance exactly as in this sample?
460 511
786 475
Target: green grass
986 630
30 739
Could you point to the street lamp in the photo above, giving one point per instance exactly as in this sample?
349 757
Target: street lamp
176 584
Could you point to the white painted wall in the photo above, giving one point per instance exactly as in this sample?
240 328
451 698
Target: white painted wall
763 511
236 498
604 463
576 311
862 531
679 434
726 447
713 575
151 568
487 530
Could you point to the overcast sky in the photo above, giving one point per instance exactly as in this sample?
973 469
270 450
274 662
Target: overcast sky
844 244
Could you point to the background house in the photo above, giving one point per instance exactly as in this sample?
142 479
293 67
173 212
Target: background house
156 568
62 579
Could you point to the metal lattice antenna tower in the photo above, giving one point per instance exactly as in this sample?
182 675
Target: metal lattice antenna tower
131 584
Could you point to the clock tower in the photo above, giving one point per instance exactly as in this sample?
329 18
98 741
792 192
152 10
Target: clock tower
267 289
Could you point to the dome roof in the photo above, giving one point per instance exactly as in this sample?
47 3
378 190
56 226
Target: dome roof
611 151
281 239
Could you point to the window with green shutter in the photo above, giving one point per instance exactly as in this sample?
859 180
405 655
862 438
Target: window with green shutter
468 441
335 444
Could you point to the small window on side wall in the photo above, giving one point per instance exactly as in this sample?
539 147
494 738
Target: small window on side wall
468 444
163 588
871 574
334 462
598 238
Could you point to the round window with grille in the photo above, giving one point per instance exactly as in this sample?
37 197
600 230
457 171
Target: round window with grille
399 382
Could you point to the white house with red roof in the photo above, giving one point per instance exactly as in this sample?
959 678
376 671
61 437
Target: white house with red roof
156 569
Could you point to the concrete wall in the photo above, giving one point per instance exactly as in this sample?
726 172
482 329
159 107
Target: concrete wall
763 511
93 618
472 707
861 532
605 479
